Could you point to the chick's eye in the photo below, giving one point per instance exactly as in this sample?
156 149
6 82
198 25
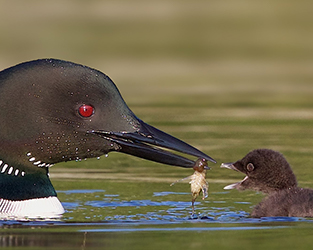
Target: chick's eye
250 167
86 110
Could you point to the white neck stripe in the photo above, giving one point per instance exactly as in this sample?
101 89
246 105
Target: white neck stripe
37 162
10 169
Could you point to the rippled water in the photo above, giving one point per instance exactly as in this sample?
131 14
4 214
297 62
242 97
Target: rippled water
154 215
162 209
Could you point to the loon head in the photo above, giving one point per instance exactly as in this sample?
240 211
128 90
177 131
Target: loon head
266 170
54 111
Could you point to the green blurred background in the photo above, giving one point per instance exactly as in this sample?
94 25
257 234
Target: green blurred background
225 76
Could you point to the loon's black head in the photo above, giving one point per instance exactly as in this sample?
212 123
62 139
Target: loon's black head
54 111
266 171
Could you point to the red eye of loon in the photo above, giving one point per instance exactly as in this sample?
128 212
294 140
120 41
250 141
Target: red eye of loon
86 110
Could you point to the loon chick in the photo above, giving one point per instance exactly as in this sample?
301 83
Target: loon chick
54 111
269 172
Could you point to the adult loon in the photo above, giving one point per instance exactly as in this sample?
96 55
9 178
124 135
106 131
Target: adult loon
269 172
54 111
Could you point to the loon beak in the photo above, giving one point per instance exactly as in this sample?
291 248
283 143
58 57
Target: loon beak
153 144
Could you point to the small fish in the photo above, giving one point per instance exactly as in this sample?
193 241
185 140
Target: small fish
197 181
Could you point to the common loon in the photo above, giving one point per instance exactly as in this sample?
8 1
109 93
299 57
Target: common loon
269 172
54 111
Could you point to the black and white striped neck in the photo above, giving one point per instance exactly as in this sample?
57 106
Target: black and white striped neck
27 193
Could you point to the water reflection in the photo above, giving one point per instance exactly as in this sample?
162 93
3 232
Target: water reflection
42 240
83 235
98 218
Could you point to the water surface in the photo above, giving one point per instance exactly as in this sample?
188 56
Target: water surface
140 214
